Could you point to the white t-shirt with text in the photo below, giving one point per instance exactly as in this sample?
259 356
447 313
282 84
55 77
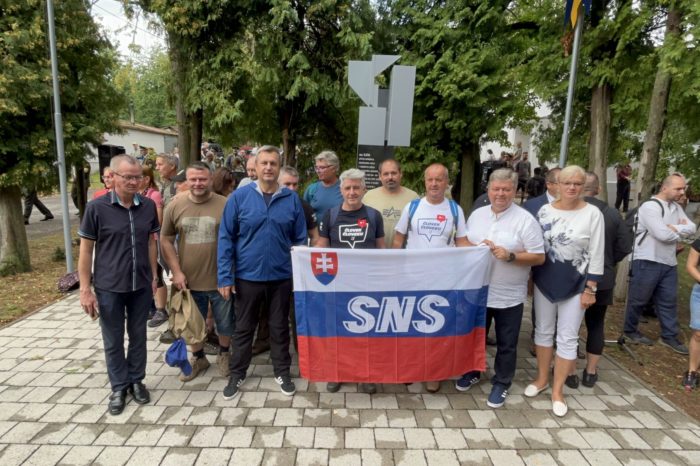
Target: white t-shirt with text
432 225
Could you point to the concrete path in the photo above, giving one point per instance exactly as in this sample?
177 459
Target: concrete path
53 391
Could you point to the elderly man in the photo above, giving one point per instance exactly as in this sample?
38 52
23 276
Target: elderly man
352 225
516 242
390 198
250 171
194 220
167 165
432 222
261 222
324 193
119 227
661 222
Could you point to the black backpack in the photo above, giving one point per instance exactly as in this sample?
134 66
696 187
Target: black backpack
631 220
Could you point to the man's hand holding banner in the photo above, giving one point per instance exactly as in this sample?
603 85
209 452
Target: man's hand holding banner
390 316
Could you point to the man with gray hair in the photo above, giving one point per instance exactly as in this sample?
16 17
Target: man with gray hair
516 243
352 225
324 193
119 228
167 167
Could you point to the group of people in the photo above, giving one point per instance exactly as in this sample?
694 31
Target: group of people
232 251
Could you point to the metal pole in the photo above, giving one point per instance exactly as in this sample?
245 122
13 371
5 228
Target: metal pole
58 126
563 150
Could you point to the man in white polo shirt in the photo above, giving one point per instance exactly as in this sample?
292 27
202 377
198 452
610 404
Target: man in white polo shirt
516 242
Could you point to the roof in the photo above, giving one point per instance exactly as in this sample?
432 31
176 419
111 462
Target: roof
127 125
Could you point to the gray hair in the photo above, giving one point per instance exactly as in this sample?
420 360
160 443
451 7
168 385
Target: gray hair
170 160
504 174
330 157
353 174
270 149
118 159
287 170
552 175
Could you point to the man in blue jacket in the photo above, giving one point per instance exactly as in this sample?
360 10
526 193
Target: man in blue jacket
260 224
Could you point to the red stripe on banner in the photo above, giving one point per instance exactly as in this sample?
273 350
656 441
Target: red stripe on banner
391 360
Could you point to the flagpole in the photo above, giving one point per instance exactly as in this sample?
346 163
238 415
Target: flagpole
563 150
58 127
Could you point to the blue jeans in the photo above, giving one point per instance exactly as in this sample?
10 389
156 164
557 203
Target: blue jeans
695 308
222 310
653 280
116 309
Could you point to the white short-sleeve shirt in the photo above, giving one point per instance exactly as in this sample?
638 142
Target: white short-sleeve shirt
516 230
432 225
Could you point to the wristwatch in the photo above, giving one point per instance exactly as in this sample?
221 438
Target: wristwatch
511 257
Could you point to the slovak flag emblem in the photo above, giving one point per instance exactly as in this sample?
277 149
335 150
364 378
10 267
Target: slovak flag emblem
324 266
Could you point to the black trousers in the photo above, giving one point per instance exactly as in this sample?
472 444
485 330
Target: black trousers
507 323
623 195
249 297
31 200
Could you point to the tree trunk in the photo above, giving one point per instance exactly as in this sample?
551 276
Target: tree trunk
196 120
656 121
289 139
600 135
470 154
178 63
14 249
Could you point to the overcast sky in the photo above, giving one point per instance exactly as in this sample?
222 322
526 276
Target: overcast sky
122 32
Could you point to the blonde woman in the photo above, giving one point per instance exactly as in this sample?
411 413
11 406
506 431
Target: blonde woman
565 285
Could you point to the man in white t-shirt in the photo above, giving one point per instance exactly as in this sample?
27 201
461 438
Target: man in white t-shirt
432 222
390 198
516 242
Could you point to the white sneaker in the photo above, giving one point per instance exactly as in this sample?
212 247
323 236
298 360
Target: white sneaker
559 408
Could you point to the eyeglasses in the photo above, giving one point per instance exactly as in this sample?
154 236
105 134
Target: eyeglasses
321 169
129 177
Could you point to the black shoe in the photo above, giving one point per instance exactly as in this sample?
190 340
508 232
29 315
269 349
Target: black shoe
287 387
140 393
490 341
588 380
117 401
332 387
232 389
690 381
159 317
48 217
368 388
572 381
639 339
167 337
676 346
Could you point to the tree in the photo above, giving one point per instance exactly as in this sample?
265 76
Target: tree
147 83
90 105
468 86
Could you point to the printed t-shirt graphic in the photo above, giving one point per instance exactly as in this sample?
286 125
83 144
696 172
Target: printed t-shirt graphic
354 229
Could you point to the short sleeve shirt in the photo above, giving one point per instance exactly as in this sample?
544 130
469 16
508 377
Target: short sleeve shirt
517 231
353 229
197 228
323 198
432 225
390 206
121 238
696 245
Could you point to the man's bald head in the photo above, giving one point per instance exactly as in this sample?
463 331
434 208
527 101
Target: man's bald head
592 185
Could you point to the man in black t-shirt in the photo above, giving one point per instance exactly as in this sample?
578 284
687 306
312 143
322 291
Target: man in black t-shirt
352 225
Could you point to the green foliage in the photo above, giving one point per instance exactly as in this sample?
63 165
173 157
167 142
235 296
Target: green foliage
468 76
89 101
147 85
59 254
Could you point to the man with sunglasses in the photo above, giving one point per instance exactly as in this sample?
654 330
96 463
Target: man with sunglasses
119 228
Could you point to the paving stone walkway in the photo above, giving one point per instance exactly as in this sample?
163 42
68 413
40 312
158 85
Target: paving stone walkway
53 391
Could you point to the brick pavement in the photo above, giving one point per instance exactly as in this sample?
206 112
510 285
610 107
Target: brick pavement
54 388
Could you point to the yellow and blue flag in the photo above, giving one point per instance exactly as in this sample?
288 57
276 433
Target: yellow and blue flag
571 14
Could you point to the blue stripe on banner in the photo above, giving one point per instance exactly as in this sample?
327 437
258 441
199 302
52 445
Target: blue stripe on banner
382 314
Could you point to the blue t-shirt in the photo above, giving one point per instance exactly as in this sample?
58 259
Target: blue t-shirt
323 198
